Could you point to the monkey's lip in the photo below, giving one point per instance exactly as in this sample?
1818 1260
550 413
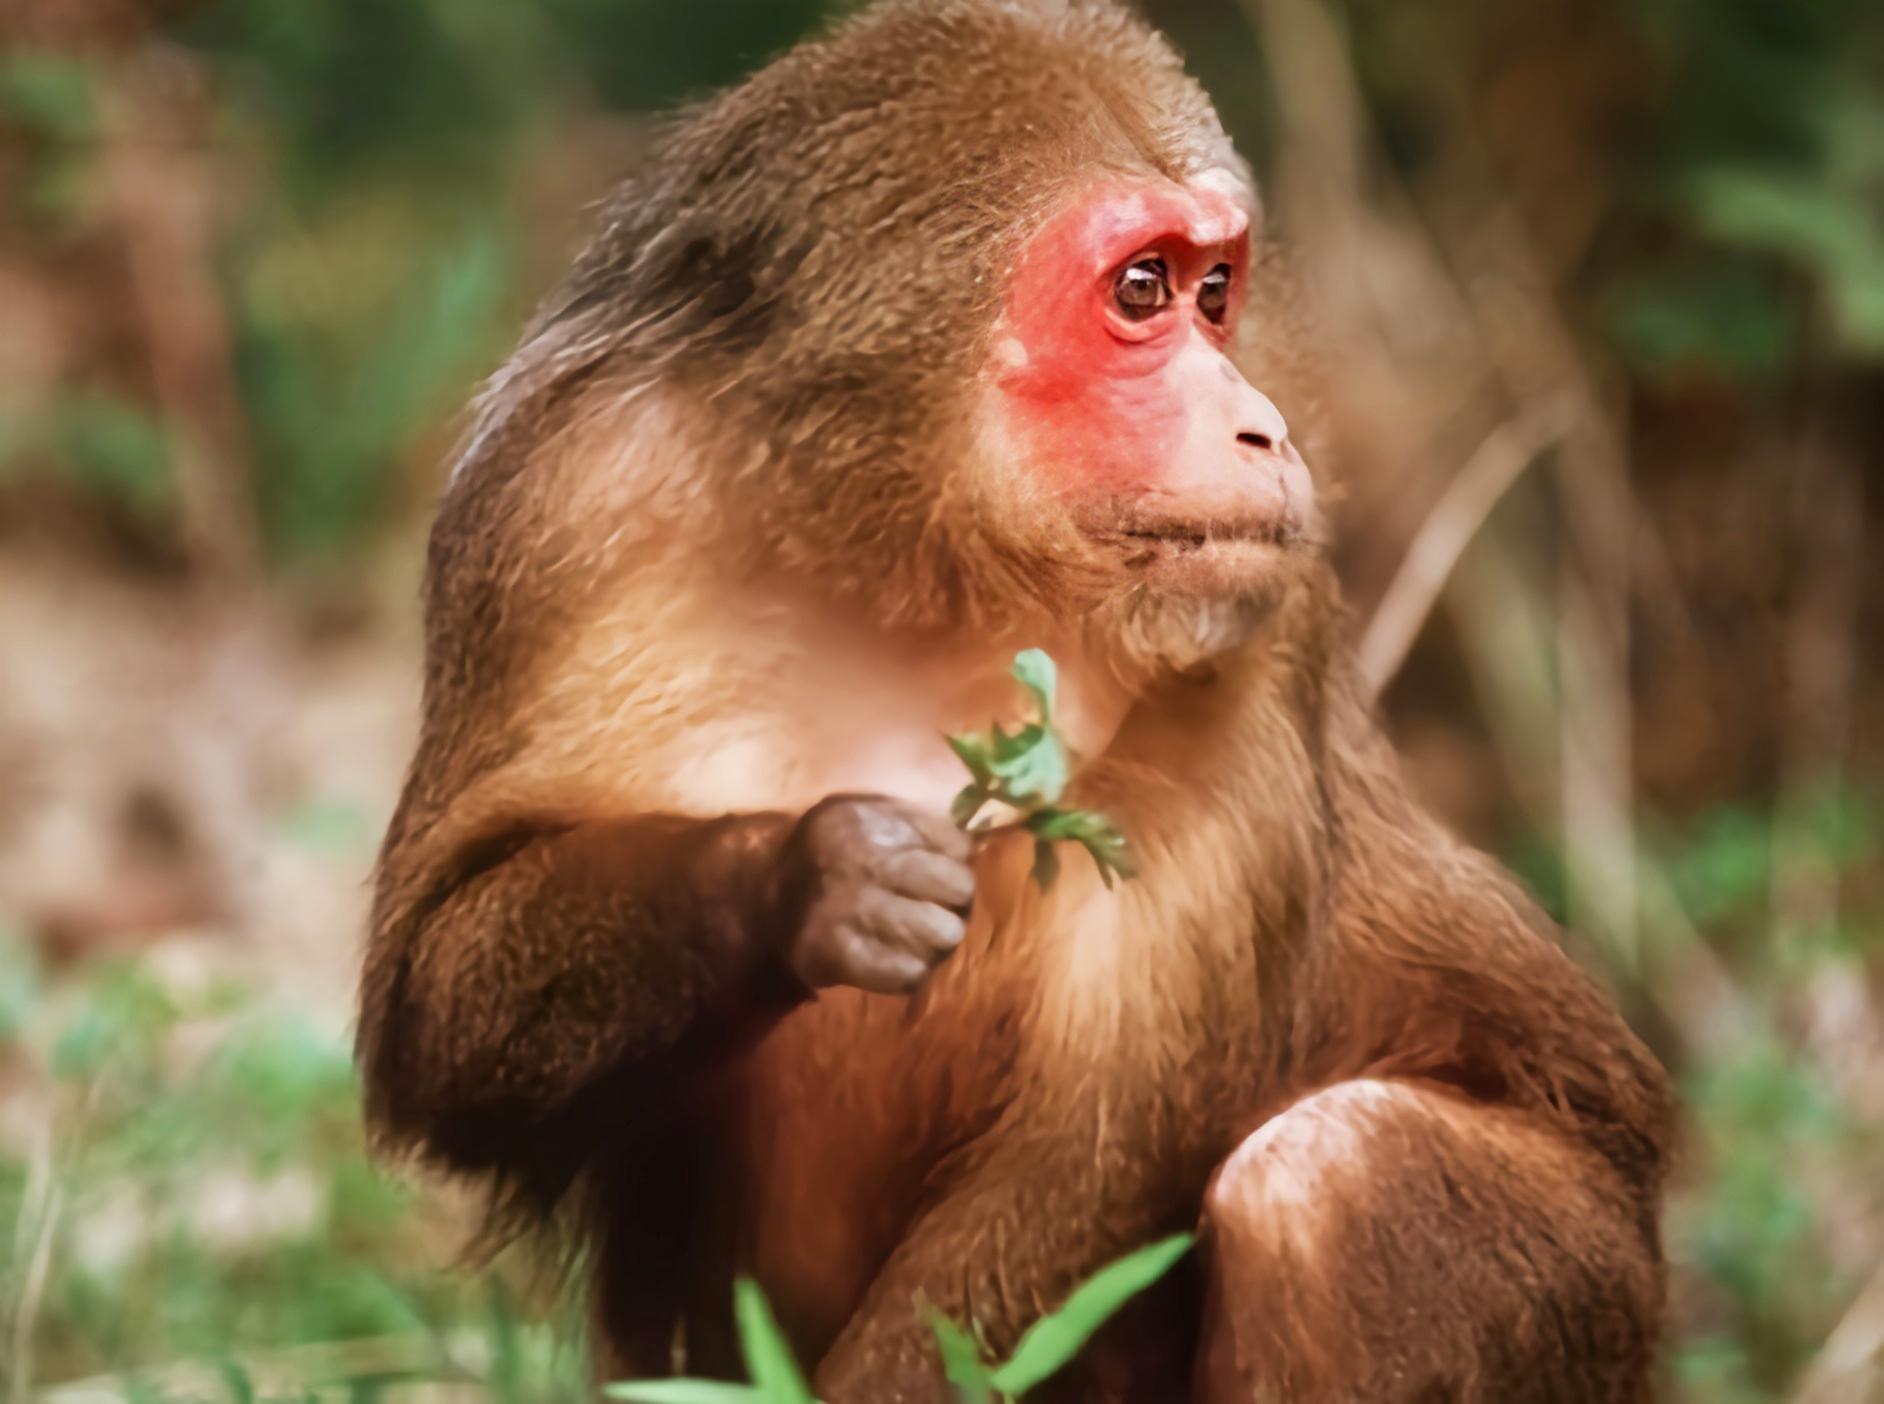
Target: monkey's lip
1182 537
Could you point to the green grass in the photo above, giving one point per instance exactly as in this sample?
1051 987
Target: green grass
188 1205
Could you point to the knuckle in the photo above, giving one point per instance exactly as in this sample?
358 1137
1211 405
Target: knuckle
886 842
886 970
873 906
946 931
834 821
934 863
964 879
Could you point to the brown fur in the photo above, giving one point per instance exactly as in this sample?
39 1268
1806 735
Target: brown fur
721 545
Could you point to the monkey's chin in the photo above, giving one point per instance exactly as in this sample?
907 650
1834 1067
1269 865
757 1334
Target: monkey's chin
1183 603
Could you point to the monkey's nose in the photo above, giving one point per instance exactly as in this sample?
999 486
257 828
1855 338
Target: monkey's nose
1269 435
1259 424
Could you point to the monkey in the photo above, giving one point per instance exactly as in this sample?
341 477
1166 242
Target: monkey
939 337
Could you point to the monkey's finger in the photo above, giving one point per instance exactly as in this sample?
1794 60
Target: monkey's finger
929 876
865 962
847 952
939 832
921 928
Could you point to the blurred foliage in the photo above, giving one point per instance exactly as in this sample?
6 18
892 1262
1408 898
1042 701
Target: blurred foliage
104 442
201 1191
1773 1122
370 270
372 275
1770 150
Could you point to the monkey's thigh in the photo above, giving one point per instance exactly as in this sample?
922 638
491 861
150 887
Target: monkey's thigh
1387 1240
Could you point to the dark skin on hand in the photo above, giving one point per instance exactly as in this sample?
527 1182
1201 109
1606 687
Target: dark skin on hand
939 338
875 894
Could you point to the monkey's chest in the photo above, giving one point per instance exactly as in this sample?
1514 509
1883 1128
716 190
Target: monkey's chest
765 762
855 1112
838 1119
801 709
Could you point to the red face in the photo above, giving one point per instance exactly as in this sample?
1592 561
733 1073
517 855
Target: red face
1112 383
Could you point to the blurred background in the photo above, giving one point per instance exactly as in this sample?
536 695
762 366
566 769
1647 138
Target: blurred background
1598 292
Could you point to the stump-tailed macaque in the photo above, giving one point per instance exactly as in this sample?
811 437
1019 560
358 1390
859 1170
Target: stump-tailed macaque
938 338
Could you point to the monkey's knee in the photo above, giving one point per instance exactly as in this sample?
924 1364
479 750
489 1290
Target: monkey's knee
1290 1167
1385 1240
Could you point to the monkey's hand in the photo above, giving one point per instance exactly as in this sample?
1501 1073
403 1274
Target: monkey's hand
875 893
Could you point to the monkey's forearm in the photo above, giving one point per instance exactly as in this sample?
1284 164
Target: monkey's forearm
576 975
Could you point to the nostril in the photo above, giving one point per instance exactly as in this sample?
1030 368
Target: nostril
1255 440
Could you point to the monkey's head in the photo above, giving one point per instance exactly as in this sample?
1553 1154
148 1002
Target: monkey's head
960 299
1112 400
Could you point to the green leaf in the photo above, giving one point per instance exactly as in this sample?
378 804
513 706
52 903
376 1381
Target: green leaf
961 1360
1035 772
1035 671
1057 823
1056 1338
1110 852
682 1392
768 1354
1094 832
967 805
1028 770
1011 747
975 753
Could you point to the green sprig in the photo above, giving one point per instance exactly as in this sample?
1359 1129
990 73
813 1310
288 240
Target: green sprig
1027 771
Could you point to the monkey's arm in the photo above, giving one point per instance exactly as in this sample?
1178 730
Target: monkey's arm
555 985
530 996
1437 965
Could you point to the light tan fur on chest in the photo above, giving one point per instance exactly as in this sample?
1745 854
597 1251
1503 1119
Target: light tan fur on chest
768 704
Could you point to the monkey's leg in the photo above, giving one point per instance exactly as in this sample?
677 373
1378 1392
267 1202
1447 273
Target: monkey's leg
1387 1240
1016 1234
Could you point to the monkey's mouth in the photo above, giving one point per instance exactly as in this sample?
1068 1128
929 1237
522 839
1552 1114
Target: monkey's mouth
1145 541
1194 536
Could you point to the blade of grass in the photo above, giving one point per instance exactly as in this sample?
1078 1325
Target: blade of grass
768 1354
961 1360
1057 1337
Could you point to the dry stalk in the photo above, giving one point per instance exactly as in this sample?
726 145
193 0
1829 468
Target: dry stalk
1448 529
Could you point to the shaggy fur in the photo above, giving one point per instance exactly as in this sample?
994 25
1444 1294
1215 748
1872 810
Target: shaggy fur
723 542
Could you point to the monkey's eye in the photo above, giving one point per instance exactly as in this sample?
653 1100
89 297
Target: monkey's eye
1213 293
1143 289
